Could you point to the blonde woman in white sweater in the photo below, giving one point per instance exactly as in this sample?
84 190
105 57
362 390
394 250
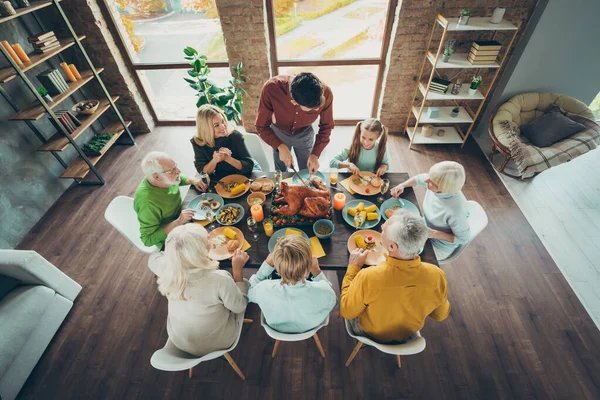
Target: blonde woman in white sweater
206 304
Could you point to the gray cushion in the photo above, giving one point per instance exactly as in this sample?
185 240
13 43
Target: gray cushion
7 284
550 128
20 312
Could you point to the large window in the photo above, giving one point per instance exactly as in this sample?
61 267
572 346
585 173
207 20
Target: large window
343 42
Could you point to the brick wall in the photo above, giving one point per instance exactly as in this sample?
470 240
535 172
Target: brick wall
245 32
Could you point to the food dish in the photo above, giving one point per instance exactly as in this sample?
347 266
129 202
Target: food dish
205 205
295 205
369 222
255 198
230 214
304 174
363 185
232 186
393 203
222 245
264 185
281 233
323 228
376 251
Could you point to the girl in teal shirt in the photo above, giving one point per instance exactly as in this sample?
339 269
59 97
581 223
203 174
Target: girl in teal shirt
366 153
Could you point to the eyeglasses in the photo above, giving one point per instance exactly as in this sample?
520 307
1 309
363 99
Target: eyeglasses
170 171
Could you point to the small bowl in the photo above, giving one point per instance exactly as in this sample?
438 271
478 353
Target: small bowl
323 222
88 111
256 195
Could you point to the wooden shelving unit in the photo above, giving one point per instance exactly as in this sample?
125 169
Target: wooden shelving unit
63 139
467 116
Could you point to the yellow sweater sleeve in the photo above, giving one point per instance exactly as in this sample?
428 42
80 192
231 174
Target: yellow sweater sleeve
352 301
443 310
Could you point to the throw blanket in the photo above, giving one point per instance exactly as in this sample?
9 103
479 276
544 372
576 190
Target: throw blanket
531 159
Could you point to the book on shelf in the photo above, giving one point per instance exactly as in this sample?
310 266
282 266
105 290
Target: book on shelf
487 45
48 48
40 36
59 79
45 42
49 82
66 117
76 121
484 52
481 61
64 122
481 58
440 81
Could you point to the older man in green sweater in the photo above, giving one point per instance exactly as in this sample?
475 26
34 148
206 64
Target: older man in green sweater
158 200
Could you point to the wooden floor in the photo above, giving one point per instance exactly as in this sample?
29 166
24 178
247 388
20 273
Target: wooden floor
516 329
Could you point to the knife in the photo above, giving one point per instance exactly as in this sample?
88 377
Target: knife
298 175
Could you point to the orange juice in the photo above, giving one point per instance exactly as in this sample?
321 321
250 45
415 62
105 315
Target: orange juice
333 176
268 225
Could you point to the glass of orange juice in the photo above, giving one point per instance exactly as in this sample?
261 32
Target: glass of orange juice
333 176
268 226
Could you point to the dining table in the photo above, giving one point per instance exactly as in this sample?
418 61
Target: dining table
335 247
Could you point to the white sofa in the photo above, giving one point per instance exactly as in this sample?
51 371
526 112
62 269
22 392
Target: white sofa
35 298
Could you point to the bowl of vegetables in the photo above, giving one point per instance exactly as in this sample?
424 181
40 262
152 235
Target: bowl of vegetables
230 214
323 228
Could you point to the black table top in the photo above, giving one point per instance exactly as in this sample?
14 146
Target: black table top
336 246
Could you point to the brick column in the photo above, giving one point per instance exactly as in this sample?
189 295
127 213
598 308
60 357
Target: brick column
244 27
87 19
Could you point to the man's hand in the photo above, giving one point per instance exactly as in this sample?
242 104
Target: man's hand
358 257
198 184
353 169
185 216
218 156
397 190
313 164
315 270
269 260
285 155
381 170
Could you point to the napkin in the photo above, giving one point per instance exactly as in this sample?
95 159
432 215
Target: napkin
316 248
246 245
346 184
288 180
203 222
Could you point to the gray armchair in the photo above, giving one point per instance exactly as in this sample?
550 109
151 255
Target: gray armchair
35 298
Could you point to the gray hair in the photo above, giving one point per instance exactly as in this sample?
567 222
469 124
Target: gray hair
151 163
408 231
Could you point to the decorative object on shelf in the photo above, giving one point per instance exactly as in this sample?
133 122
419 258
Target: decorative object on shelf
87 107
6 9
439 85
456 87
44 42
22 3
21 53
11 52
465 14
44 93
433 112
427 130
68 72
497 15
484 52
95 146
454 112
73 69
448 49
229 98
441 132
53 81
68 120
475 82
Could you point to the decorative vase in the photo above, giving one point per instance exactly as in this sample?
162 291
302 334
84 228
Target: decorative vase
498 15
454 113
427 130
463 19
456 88
47 98
472 91
446 57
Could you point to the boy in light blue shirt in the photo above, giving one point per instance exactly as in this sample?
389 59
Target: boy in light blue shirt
292 304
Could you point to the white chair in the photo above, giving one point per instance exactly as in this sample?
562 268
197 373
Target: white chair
293 337
122 216
257 151
478 220
170 358
414 345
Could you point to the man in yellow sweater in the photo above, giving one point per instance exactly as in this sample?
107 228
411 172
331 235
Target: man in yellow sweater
390 301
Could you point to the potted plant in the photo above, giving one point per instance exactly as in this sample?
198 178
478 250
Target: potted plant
44 93
454 112
229 98
475 82
448 49
465 13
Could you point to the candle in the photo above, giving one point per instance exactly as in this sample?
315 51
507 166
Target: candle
11 52
257 212
268 225
73 69
68 72
339 200
21 53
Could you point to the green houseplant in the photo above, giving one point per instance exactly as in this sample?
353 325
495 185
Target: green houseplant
454 112
44 93
465 13
229 98
475 82
448 49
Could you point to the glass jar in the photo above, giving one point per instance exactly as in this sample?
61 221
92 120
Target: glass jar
456 88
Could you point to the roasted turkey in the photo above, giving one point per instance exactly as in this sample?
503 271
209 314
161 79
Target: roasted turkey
310 203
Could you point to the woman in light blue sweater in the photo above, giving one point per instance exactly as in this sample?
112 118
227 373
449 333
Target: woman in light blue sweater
444 207
366 153
292 304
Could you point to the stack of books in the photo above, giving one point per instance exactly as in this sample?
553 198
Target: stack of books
439 85
53 81
44 42
484 52
68 119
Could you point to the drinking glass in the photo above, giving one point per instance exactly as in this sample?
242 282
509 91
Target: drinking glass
204 178
277 178
252 227
213 224
333 176
385 185
268 226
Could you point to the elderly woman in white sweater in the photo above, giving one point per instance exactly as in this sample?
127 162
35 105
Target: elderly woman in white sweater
444 207
206 304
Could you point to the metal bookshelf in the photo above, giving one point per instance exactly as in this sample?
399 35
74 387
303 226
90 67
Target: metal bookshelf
454 134
83 164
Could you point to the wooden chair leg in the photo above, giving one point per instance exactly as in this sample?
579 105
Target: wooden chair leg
354 353
275 349
248 320
318 342
399 362
191 373
234 366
